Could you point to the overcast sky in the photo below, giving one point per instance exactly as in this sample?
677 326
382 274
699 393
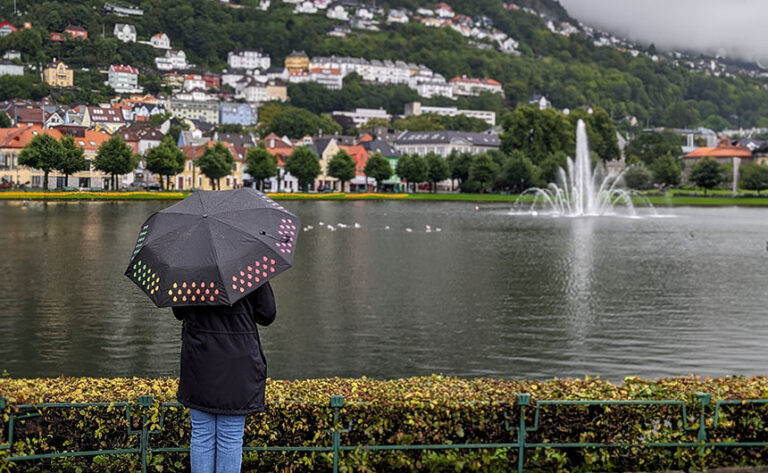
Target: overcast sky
735 27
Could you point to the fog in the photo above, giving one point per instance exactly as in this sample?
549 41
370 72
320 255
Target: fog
733 28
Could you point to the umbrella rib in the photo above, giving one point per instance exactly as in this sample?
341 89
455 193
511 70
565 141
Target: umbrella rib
216 260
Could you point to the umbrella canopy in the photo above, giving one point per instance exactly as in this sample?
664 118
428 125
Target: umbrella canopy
213 248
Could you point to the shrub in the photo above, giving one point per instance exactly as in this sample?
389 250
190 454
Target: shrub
427 410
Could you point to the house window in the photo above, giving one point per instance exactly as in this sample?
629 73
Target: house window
227 181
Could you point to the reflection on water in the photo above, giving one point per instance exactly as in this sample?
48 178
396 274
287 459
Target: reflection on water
489 295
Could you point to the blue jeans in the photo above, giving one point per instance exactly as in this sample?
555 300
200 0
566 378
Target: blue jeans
217 442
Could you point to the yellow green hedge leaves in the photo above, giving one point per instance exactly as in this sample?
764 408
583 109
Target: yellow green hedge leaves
416 411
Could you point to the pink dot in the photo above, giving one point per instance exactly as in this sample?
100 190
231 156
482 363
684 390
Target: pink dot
250 276
271 270
288 251
264 258
197 291
234 286
242 273
202 284
282 220
264 265
212 286
193 284
207 291
193 298
189 291
242 289
216 291
256 279
250 284
242 281
271 261
250 268
234 278
264 274
184 298
282 251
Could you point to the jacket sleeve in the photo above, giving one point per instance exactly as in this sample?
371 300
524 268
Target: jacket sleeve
262 302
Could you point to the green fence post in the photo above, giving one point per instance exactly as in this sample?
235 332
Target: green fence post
336 403
704 399
145 402
3 403
522 401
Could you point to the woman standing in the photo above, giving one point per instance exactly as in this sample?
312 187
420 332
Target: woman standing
223 375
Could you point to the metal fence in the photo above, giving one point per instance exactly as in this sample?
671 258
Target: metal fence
706 412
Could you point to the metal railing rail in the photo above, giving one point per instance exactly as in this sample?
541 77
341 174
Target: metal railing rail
336 447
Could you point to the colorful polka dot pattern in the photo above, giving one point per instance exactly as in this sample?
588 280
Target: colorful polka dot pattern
140 241
288 232
146 278
271 202
253 274
193 291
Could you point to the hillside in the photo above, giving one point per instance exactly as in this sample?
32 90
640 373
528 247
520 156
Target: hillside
570 70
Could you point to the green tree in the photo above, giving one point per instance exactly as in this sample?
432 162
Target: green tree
483 171
519 173
5 120
754 177
648 147
458 164
73 158
261 164
666 171
437 169
43 152
342 167
707 174
638 177
378 168
215 163
303 165
115 157
296 122
166 159
538 133
412 168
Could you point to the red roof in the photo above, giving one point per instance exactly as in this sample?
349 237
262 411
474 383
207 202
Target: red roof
4 24
473 80
443 6
721 152
320 70
122 68
57 36
20 137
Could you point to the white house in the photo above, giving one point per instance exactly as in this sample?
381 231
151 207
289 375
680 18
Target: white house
432 87
361 116
160 41
397 16
444 142
469 86
364 14
425 12
306 7
194 81
125 33
248 59
338 12
328 78
172 60
195 95
443 10
8 68
416 108
124 79
322 4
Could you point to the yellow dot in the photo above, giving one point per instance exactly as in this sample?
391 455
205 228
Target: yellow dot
170 292
174 299
179 291
175 285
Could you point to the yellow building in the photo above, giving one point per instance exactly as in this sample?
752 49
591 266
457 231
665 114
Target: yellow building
277 92
58 74
327 148
192 178
297 61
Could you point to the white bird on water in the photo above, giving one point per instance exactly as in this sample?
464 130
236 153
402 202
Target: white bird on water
331 228
357 225
409 230
438 229
320 223
341 225
386 228
428 229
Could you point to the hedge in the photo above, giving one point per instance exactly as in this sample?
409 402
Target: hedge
423 410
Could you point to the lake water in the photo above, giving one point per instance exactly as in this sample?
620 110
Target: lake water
491 294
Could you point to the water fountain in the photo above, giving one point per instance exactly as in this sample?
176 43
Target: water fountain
580 190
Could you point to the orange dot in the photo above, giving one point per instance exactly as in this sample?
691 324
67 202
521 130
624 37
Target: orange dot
184 298
193 284
193 298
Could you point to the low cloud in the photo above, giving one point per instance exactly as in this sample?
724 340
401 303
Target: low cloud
734 28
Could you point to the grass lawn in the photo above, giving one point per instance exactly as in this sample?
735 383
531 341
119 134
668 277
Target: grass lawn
673 198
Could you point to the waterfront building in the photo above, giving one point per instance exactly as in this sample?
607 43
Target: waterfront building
444 142
416 108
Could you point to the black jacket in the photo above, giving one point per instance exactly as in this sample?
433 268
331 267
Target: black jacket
223 369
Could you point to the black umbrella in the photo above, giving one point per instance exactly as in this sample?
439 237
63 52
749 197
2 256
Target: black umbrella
213 248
